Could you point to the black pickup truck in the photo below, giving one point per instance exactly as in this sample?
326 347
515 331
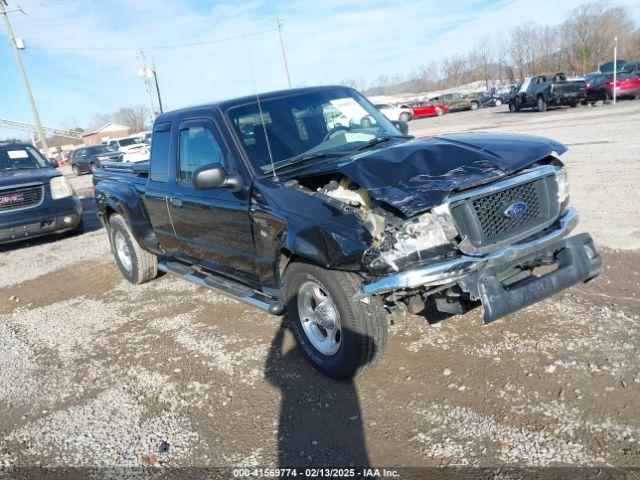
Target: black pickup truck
340 227
545 91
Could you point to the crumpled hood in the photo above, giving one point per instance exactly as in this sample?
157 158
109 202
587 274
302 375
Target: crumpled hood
13 178
417 175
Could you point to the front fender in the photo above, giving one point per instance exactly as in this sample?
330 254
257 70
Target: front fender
324 236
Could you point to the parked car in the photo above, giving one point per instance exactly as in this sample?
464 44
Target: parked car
35 198
87 159
543 91
600 86
337 228
122 143
504 94
421 109
395 112
486 99
457 101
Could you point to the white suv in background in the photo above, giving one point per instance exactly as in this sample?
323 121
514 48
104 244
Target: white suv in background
133 147
393 112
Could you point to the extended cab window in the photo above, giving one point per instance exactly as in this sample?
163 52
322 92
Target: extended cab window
159 167
198 147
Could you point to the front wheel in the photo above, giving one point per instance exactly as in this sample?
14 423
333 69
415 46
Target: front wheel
498 102
439 112
340 336
76 170
542 104
135 264
405 117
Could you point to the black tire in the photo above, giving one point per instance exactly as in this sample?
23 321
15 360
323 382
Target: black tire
93 167
405 117
542 104
363 326
440 112
473 106
365 122
144 265
76 170
573 104
498 102
512 107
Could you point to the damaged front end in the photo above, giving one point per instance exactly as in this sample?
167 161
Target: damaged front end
502 246
485 245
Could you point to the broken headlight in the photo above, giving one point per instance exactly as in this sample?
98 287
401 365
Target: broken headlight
563 187
416 235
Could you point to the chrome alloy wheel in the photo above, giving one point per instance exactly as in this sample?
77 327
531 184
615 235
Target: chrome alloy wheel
122 249
320 318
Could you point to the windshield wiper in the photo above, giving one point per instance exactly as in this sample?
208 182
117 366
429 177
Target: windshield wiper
377 140
300 159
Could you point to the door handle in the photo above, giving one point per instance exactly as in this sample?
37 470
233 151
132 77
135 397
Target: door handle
176 202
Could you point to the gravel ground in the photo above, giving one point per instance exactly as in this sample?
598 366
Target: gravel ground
96 372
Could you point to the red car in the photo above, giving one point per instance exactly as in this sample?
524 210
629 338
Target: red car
600 87
426 109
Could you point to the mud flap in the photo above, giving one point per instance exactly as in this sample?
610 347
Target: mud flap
577 261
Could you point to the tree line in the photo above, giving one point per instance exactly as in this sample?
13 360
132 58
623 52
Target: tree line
577 46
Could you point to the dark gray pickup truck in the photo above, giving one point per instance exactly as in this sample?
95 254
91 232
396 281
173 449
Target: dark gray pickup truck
544 91
268 199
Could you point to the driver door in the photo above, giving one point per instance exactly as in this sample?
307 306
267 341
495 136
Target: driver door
212 226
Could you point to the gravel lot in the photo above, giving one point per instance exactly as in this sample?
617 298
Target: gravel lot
97 372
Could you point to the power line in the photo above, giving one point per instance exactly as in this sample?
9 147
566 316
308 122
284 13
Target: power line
153 47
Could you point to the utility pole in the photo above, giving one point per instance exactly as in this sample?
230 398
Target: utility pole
615 67
5 15
155 79
280 23
145 73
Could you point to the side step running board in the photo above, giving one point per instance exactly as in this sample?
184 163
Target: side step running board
228 287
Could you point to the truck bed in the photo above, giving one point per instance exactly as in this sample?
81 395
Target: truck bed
131 173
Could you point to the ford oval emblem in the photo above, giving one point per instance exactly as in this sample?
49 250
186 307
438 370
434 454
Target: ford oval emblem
516 209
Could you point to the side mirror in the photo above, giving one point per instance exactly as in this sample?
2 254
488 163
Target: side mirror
402 126
214 175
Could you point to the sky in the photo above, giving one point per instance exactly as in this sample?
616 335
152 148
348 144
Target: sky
81 56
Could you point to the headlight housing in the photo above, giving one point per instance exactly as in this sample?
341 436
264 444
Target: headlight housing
60 188
416 235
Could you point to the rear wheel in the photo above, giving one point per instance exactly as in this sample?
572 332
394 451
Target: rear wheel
340 336
405 117
439 112
512 107
542 104
365 122
498 102
573 104
135 264
473 106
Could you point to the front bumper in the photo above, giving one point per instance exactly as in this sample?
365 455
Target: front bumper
577 257
53 216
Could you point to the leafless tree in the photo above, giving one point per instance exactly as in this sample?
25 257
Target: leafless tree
133 116
589 32
358 83
483 56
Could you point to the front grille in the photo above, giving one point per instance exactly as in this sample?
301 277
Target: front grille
490 209
482 220
21 197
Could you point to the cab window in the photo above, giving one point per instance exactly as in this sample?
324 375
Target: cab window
198 147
